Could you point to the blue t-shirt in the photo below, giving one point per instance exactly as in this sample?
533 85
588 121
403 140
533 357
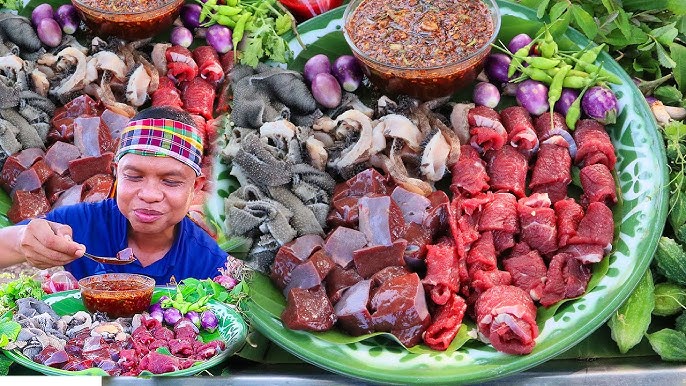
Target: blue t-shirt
103 229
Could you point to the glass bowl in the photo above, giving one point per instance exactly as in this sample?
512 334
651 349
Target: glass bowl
117 294
128 19
440 74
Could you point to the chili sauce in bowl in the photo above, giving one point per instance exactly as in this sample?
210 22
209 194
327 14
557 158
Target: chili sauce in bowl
117 294
423 48
128 19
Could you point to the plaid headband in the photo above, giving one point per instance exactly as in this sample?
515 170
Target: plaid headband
162 138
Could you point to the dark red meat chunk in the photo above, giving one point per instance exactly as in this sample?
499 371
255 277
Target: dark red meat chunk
520 128
469 175
59 155
569 214
370 260
442 276
506 316
84 168
308 309
26 205
352 311
380 219
597 227
593 145
341 244
598 185
338 280
446 323
198 97
552 173
528 272
567 278
538 223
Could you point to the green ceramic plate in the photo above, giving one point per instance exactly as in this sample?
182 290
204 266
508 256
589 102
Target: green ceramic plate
640 217
232 329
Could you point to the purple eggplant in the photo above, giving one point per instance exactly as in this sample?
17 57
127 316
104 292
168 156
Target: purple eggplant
190 15
158 314
67 17
567 97
172 315
219 37
49 32
533 96
486 94
209 321
600 103
497 66
326 90
315 65
194 317
347 70
518 42
155 307
181 36
41 12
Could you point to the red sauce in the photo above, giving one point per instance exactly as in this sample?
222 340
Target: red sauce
117 298
423 48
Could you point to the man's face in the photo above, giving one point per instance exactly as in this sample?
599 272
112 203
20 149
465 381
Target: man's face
154 193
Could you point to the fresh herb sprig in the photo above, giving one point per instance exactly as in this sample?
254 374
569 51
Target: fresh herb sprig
22 287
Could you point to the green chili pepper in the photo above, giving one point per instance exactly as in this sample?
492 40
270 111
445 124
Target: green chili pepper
555 89
576 82
232 3
228 10
548 47
591 68
536 74
542 63
207 9
574 111
589 56
225 21
239 30
517 58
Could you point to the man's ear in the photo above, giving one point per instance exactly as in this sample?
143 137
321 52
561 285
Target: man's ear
199 183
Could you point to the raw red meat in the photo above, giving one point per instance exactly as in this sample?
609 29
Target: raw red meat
484 280
520 128
83 168
180 64
167 94
597 226
311 272
97 188
593 144
27 180
500 214
552 172
585 253
208 63
17 163
481 255
567 278
545 130
352 312
59 155
339 280
487 132
446 323
341 244
27 205
538 223
380 219
528 272
469 173
569 214
598 185
506 316
507 169
308 310
372 259
442 277
198 97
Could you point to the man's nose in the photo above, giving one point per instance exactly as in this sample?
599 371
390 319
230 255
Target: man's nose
150 192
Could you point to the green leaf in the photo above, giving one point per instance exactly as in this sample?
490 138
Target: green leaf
9 330
643 5
5 364
540 8
663 57
669 344
669 95
647 46
585 21
665 35
678 7
679 56
557 10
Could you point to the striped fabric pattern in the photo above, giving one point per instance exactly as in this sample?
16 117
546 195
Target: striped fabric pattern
162 138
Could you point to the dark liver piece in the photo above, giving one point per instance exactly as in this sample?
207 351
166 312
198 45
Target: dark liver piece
400 304
370 260
341 244
27 205
338 280
310 273
59 155
352 312
84 168
308 310
291 255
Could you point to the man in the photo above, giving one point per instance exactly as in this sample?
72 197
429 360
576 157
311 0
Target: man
157 173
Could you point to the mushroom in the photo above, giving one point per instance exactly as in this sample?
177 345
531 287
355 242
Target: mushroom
360 150
459 122
434 157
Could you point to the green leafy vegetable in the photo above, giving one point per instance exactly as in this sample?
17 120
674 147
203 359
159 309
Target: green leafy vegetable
14 5
23 287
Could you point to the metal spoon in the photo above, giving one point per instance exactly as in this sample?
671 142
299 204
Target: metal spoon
125 256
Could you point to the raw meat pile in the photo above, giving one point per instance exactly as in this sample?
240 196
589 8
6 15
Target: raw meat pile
510 239
77 165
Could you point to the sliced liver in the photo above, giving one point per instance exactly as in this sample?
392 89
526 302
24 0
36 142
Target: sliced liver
84 168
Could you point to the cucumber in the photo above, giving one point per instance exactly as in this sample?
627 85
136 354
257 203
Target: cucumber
670 259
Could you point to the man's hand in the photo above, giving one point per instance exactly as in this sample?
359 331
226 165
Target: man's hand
47 244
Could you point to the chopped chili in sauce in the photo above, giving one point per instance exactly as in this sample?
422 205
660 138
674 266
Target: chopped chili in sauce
118 298
420 33
125 5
